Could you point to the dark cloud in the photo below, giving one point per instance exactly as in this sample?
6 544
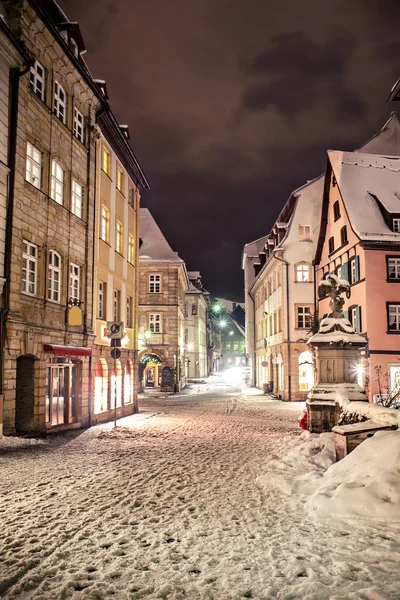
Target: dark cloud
233 105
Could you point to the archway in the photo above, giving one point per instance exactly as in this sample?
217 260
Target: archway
25 393
100 386
306 371
149 369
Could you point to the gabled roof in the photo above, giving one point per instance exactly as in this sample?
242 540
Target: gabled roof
364 181
155 247
386 141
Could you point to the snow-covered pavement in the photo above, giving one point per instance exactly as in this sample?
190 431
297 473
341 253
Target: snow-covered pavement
179 502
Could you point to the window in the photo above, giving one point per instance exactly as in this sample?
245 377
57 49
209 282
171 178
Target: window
117 304
154 284
79 131
393 317
57 182
118 238
235 347
120 180
129 311
339 272
76 202
33 165
155 323
74 281
304 233
302 272
393 268
396 225
105 221
60 102
331 244
343 236
336 211
131 249
131 196
106 162
303 317
102 301
228 347
279 319
36 80
54 280
29 268
355 318
355 269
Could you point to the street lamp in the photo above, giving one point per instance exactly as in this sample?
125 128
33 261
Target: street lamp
231 333
216 308
147 334
222 323
190 346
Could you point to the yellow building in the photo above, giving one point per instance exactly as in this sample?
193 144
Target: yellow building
119 183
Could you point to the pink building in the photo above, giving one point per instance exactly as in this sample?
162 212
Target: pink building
360 241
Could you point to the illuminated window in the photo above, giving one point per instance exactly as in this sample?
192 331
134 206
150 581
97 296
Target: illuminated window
76 201
106 165
33 165
304 233
303 273
54 279
36 79
129 305
79 131
228 347
119 238
105 222
131 249
155 323
235 347
74 281
57 182
303 317
154 284
102 301
29 268
60 102
120 180
117 304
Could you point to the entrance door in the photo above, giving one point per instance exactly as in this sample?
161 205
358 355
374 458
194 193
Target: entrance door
150 375
61 391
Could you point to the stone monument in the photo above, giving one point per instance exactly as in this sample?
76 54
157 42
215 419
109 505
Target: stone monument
336 348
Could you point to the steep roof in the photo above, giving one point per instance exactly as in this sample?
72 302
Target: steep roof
386 141
155 247
367 181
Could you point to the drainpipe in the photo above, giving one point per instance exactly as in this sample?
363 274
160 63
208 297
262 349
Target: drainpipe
287 324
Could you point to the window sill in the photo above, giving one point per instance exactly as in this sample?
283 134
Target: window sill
34 186
337 249
119 254
106 174
295 281
336 218
120 191
393 280
28 295
104 242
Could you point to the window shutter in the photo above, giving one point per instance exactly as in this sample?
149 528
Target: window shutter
357 266
346 314
359 319
345 271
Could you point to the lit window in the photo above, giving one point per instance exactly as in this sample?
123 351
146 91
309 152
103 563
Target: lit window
36 80
120 180
355 269
304 233
394 317
106 162
117 304
54 281
235 347
303 273
118 238
74 281
33 165
131 249
355 318
393 266
303 317
60 102
76 203
105 219
102 301
155 323
79 131
29 268
154 284
129 311
57 182
228 347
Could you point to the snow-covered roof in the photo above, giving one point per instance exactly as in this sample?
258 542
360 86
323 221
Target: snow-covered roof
155 247
363 180
386 141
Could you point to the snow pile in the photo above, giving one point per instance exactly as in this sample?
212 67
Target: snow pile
376 412
366 483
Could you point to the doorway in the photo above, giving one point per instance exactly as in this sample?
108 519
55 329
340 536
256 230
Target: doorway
25 394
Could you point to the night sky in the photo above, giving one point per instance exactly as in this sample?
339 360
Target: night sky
231 105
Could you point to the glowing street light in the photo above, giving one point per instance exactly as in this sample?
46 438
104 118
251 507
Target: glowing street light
147 334
217 308
190 346
222 323
231 333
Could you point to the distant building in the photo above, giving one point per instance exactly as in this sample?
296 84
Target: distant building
233 340
196 332
163 282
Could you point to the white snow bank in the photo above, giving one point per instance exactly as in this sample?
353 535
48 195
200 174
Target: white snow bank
376 412
366 483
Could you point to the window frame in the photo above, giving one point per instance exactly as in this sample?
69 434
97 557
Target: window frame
336 211
117 304
28 260
129 305
388 306
105 224
331 244
54 293
131 196
60 105
106 154
388 259
35 77
120 179
34 165
119 238
74 278
155 283
56 184
79 126
303 233
396 225
155 322
304 315
101 300
131 249
343 236
300 266
74 197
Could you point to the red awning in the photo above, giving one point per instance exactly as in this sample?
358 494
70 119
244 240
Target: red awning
68 350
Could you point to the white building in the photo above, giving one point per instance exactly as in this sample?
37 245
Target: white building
197 303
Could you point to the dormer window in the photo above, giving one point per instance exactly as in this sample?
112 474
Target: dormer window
396 225
336 211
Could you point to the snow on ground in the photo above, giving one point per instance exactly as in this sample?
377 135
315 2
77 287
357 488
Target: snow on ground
182 501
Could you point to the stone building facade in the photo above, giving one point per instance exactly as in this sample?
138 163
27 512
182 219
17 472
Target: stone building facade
116 248
163 282
47 345
196 330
